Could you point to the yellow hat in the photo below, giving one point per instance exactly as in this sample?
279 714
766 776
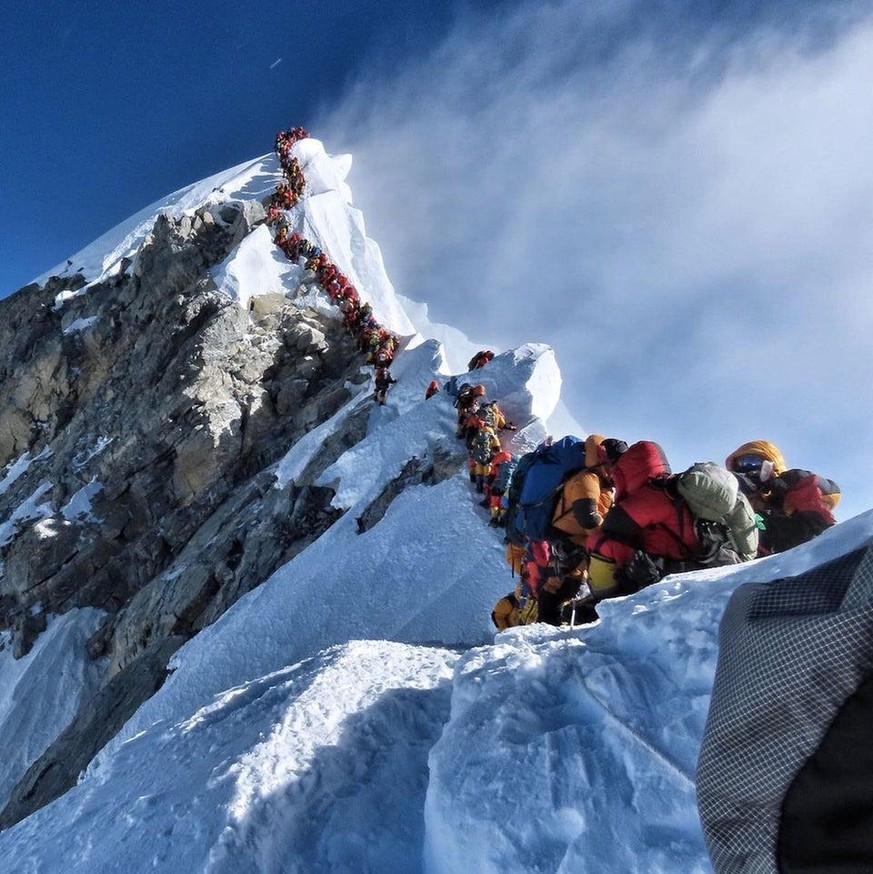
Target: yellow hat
767 450
592 443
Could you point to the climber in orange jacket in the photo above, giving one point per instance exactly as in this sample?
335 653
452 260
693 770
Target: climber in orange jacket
586 496
480 359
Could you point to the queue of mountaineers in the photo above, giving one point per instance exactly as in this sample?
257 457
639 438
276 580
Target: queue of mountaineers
595 519
375 341
590 519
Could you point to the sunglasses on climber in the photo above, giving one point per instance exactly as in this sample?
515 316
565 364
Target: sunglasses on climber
747 464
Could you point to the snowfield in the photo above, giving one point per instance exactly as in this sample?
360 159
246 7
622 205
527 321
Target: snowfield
318 766
356 712
577 750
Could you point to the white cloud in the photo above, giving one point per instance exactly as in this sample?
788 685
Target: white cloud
689 225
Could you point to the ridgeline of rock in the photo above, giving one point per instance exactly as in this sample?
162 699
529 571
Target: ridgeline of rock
137 423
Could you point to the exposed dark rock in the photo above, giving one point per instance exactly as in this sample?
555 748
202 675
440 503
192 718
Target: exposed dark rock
27 627
150 409
59 767
438 466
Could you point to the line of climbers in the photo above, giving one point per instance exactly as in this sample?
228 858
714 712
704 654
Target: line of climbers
287 193
480 422
594 519
374 340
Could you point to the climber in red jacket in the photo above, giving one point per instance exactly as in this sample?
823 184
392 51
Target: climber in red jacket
647 523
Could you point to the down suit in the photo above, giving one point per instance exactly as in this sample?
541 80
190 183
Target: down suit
647 517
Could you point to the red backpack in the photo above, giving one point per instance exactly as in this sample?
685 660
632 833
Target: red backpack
643 462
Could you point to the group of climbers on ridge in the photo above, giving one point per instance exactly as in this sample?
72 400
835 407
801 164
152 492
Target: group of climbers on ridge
480 422
593 519
569 493
289 192
375 341
285 140
617 519
597 513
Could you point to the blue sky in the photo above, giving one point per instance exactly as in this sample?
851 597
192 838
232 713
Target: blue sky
108 106
675 195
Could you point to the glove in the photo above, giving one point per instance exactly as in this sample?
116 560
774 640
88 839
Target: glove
640 571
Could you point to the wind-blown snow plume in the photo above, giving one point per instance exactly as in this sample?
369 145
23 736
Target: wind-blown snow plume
673 203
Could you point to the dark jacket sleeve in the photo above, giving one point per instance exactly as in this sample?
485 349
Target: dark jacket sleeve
783 532
619 525
586 514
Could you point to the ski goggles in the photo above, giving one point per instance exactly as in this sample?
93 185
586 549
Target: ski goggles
747 463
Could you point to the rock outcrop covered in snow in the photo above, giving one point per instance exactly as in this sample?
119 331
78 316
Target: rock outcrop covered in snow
138 417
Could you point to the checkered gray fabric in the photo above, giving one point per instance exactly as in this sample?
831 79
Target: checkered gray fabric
791 652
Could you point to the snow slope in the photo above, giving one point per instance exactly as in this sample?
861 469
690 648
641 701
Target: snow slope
429 571
551 750
355 712
319 766
252 180
576 750
41 692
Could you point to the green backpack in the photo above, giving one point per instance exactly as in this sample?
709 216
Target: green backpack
713 495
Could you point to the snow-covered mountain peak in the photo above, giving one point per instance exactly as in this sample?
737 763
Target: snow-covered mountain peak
267 598
190 417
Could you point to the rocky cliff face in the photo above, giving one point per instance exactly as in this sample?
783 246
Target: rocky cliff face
138 418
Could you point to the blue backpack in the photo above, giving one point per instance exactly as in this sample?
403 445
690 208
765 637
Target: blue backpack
535 486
